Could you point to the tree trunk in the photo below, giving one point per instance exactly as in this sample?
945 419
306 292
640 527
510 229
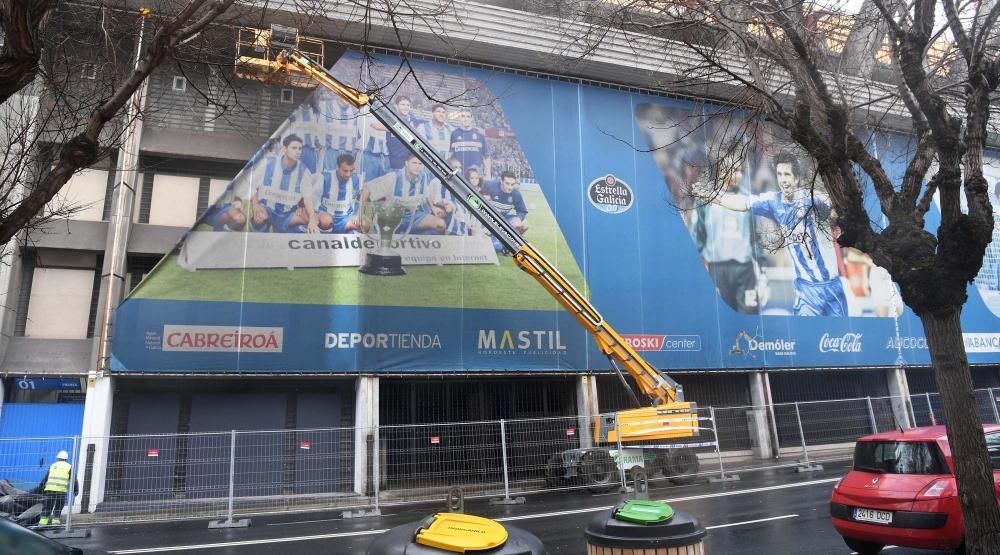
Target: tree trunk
965 433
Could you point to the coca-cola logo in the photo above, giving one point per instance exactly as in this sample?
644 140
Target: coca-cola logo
847 343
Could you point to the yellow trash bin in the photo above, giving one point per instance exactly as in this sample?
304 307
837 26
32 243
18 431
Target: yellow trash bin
446 533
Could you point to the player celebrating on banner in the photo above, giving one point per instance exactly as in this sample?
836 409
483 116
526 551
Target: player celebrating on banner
283 192
819 291
724 239
337 210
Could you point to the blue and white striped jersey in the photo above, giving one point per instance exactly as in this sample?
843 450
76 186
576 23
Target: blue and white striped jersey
438 137
339 198
281 188
811 250
396 184
374 140
341 125
306 123
460 222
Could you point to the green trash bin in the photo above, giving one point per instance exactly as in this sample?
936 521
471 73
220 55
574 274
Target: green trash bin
446 533
644 528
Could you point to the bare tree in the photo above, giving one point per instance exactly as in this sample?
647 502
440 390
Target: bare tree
786 63
67 70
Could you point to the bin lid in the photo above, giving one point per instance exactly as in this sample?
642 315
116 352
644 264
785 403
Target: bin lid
644 512
609 529
460 533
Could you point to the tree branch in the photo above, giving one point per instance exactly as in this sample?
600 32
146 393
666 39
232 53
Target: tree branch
82 150
21 22
965 45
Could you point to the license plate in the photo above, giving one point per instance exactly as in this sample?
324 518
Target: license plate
871 515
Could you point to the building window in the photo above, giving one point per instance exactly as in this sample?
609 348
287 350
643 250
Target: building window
287 96
180 83
59 303
88 71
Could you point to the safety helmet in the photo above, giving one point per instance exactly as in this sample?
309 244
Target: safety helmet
62 455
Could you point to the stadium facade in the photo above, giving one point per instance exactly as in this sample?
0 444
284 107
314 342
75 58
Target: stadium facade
760 352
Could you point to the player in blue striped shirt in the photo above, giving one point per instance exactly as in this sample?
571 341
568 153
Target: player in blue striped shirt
306 122
398 152
283 192
437 132
374 148
819 291
341 131
226 214
413 187
337 208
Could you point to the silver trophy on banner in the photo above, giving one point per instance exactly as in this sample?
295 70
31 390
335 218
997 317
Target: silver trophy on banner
391 221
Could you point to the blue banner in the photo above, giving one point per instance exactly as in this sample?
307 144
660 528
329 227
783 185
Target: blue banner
332 251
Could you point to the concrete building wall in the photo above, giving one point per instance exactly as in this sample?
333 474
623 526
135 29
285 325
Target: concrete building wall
59 307
174 201
83 195
215 189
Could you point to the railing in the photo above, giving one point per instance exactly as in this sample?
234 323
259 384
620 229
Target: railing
224 476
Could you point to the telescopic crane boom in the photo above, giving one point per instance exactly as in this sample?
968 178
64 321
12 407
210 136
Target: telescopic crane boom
662 391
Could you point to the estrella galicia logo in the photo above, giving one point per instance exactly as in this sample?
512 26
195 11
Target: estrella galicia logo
610 194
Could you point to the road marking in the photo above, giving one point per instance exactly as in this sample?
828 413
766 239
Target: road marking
675 499
503 519
883 549
313 521
749 522
246 542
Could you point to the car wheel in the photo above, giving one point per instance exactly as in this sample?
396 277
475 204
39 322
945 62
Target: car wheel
554 471
661 464
683 466
863 547
598 471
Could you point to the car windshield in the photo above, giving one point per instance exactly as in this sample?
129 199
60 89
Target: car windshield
899 457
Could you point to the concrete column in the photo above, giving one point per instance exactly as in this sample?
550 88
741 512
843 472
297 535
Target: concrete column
586 408
10 282
899 390
365 423
96 429
100 384
760 428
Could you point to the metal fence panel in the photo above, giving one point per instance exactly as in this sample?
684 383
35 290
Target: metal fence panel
220 474
421 462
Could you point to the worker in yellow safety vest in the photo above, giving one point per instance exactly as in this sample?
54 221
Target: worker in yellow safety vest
54 486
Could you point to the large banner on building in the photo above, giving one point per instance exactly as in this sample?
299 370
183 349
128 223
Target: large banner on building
334 251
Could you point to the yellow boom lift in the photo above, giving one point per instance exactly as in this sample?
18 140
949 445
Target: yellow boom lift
670 418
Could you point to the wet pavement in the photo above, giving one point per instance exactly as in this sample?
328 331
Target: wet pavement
767 512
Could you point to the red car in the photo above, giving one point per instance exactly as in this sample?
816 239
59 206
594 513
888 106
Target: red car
902 491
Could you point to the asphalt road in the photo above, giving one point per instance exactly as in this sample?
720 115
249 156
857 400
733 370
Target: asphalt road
773 512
